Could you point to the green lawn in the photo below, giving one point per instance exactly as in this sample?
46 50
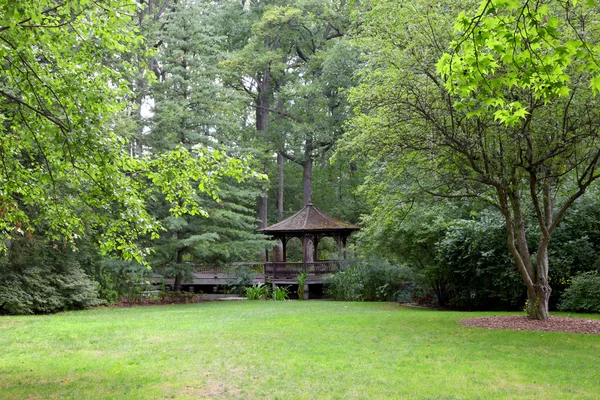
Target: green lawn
288 350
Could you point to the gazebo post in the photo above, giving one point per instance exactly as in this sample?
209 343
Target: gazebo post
316 248
284 246
304 250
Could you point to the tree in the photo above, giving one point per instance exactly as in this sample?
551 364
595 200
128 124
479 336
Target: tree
308 65
63 170
507 117
192 107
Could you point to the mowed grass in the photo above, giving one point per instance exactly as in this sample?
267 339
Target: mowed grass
288 350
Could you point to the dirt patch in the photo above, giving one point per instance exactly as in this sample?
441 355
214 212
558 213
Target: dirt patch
522 323
208 391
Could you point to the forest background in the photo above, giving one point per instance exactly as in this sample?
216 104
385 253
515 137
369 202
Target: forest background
154 137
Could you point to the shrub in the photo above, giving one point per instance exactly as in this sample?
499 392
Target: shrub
243 277
371 281
161 297
583 294
474 270
36 278
301 280
257 292
281 292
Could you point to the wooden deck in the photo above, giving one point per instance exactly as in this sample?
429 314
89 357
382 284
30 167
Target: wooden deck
276 272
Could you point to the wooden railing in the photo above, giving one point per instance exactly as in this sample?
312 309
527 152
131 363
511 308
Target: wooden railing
232 269
282 270
292 269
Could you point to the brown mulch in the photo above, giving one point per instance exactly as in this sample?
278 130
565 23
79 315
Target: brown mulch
522 323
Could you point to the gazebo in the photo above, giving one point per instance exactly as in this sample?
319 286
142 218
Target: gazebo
310 225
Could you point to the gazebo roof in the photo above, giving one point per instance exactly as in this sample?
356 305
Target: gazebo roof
310 220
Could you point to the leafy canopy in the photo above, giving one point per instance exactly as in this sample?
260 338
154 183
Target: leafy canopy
62 166
511 45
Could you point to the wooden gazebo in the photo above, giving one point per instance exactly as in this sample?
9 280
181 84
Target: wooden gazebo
310 225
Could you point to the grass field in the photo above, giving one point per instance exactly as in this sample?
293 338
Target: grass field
287 350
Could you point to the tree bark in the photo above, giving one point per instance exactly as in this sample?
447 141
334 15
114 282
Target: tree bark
307 169
534 277
307 165
262 125
281 185
179 274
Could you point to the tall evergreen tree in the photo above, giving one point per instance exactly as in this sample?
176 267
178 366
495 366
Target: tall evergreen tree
191 108
300 50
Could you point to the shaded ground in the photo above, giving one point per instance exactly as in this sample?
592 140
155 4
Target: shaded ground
522 323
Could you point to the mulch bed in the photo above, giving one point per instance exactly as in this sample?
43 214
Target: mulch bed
522 323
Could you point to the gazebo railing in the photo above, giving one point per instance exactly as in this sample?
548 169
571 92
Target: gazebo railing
286 270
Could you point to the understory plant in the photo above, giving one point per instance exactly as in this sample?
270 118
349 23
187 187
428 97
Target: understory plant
281 292
583 294
371 280
301 280
257 292
36 278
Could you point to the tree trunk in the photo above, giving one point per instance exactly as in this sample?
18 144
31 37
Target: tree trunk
262 125
262 210
537 302
307 167
281 185
534 277
538 298
179 274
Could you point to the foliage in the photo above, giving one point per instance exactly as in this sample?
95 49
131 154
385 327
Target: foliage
243 278
510 46
301 280
119 279
65 172
258 291
37 278
60 155
459 248
473 259
471 124
294 64
576 243
154 297
190 109
371 281
281 293
583 294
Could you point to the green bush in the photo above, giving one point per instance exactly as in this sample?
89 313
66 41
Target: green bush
371 281
583 294
37 278
281 292
243 277
257 292
301 280
476 269
119 279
